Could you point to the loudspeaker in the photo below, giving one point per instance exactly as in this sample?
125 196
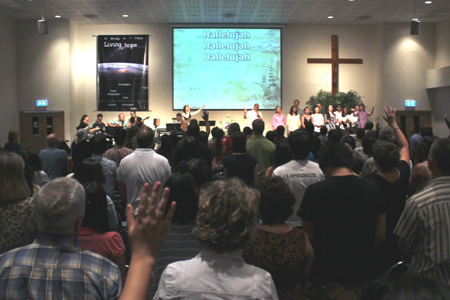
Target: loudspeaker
42 26
415 26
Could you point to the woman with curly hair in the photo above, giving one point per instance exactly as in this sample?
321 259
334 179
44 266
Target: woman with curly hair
226 223
421 174
280 249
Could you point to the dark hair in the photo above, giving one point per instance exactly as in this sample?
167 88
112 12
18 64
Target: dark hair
200 170
193 130
344 114
34 162
258 127
416 128
219 144
89 170
277 107
271 135
276 202
349 140
166 145
280 130
423 149
145 137
184 192
191 147
203 137
335 135
233 129
386 155
369 125
367 144
178 114
247 130
406 287
335 155
174 139
214 131
98 144
440 153
360 133
300 143
131 133
184 108
99 115
120 135
283 154
194 122
323 130
96 208
291 111
239 143
426 131
82 124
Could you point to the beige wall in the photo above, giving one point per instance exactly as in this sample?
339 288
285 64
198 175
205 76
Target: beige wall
61 66
9 112
43 67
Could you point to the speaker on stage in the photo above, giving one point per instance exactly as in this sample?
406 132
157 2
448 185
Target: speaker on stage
42 26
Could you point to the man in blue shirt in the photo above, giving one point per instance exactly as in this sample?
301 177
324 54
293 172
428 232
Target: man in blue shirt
54 160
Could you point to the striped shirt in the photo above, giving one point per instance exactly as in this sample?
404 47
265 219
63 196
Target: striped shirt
425 223
56 267
180 244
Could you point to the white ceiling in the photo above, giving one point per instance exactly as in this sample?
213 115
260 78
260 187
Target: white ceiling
345 12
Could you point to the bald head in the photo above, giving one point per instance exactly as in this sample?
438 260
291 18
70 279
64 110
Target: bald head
53 140
58 205
145 137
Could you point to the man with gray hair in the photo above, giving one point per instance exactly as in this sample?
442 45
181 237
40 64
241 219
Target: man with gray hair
54 160
424 225
54 266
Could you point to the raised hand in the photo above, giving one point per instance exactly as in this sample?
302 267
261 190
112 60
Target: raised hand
148 232
390 116
205 115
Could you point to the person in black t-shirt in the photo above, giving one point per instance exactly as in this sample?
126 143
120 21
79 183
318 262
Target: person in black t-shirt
99 124
392 178
344 217
240 164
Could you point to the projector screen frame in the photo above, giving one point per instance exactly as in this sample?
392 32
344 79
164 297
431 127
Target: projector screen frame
227 26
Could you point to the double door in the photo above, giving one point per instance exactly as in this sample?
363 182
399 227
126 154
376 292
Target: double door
36 125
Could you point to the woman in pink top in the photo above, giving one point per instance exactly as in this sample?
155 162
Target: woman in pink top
278 118
95 235
363 115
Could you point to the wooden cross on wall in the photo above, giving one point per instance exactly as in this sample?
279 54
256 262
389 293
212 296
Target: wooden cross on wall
334 61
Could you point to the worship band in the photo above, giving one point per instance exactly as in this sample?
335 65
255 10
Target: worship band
323 206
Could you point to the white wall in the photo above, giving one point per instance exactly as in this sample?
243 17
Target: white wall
43 67
406 58
9 112
441 96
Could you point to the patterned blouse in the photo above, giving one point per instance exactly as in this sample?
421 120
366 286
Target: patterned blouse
284 257
17 224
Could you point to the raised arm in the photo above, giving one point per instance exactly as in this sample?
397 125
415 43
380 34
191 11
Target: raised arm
371 112
205 117
245 113
146 234
196 112
403 142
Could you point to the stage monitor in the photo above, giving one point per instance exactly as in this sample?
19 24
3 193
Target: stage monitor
226 68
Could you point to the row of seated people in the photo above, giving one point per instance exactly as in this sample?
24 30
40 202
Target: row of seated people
351 222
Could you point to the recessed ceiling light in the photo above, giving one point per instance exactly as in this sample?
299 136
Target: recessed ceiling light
417 20
351 0
428 2
57 16
125 16
330 17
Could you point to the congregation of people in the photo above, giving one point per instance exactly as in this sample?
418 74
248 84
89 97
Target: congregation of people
324 205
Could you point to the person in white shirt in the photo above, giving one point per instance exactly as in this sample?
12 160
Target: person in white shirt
300 172
318 120
226 221
293 120
187 116
144 165
253 115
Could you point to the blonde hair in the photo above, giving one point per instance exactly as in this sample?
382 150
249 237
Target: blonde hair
227 216
13 185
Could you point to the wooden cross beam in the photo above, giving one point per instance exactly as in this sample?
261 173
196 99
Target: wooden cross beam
334 61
